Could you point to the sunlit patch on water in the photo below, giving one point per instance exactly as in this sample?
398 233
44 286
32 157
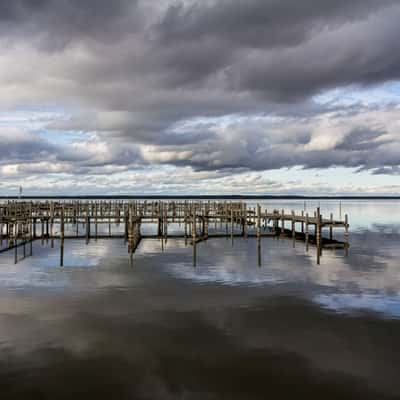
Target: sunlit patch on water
387 305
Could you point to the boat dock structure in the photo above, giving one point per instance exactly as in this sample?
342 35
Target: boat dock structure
23 222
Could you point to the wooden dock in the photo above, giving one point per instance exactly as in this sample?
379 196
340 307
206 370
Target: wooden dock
23 222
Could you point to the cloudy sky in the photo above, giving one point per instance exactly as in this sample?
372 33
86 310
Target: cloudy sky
200 96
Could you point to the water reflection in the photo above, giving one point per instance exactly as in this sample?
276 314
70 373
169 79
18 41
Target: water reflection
371 265
259 318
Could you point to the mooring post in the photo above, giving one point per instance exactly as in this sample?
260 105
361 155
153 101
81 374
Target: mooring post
226 217
258 221
34 228
165 224
194 225
331 228
206 222
77 211
245 220
30 231
16 242
62 223
319 251
318 227
130 231
96 221
185 216
202 222
87 227
307 232
126 211
24 238
62 236
293 225
346 234
109 220
231 222
160 217
52 223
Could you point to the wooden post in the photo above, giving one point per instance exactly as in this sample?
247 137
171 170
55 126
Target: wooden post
62 237
160 220
77 219
96 222
30 231
24 238
62 223
185 220
16 242
244 220
165 224
109 221
52 223
130 230
293 225
194 225
87 228
232 223
307 232
42 230
194 254
206 222
318 227
346 234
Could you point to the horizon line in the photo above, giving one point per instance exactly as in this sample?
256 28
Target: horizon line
206 197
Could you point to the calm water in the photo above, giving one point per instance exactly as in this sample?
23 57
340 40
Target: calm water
229 328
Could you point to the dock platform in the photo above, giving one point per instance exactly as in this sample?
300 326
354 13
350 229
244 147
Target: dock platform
23 222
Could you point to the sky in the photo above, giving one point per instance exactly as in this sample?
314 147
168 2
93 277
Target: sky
200 97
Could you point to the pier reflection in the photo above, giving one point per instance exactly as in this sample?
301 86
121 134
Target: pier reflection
20 252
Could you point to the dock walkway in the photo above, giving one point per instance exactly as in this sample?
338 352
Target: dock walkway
22 222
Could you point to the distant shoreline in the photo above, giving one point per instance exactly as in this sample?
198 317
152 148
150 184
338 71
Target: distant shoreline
203 197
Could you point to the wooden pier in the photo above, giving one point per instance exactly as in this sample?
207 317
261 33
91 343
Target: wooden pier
22 222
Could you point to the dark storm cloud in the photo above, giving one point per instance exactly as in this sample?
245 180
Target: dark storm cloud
260 23
58 22
164 75
282 49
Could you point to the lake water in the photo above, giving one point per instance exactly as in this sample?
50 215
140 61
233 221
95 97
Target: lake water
238 325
